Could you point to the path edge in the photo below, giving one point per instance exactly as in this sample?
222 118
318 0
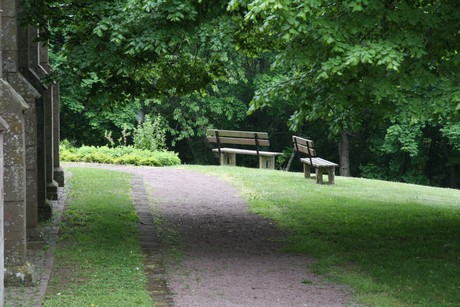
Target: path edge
154 269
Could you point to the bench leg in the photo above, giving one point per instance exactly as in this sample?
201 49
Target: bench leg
266 162
330 173
319 175
228 159
306 171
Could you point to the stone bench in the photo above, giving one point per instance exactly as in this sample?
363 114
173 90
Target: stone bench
227 155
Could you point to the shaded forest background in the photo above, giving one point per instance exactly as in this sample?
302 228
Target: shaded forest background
376 84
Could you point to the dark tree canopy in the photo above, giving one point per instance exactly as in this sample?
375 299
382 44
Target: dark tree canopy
148 49
383 77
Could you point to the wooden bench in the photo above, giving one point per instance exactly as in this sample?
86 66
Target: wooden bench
227 156
322 166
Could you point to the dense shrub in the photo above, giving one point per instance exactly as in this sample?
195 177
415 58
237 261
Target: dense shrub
117 155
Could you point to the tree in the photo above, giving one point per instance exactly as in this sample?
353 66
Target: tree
140 49
349 63
357 69
121 57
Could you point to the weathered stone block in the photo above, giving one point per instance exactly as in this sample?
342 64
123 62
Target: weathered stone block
31 157
12 107
31 96
35 238
8 8
59 176
9 41
21 275
1 53
15 233
23 87
31 198
45 210
52 190
11 100
9 61
3 128
14 183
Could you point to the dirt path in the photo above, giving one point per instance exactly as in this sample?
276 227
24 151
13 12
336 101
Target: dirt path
230 257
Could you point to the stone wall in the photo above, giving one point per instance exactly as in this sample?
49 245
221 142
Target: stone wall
3 128
31 144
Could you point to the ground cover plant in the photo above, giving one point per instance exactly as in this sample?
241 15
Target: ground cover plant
396 244
117 155
98 261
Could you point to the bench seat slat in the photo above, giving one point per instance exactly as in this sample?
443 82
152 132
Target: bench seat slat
238 141
318 162
237 134
248 152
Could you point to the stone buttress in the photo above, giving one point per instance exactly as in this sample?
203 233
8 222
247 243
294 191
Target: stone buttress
30 144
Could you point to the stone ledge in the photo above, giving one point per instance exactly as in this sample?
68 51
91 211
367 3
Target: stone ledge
23 275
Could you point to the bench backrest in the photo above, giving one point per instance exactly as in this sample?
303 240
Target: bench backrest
238 137
256 139
304 145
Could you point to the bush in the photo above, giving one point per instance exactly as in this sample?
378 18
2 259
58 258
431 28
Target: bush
117 155
151 134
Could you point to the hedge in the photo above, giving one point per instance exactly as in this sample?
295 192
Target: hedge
117 155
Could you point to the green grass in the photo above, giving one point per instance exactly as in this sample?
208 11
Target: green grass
98 261
395 244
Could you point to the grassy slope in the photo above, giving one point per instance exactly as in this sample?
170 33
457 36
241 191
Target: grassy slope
396 244
98 261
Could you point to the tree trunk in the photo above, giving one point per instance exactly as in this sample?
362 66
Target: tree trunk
344 154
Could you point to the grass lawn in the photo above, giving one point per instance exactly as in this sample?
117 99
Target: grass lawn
396 244
98 261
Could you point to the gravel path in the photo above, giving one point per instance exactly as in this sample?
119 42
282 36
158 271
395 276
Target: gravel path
230 257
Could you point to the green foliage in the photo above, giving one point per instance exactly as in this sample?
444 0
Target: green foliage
402 139
325 68
414 153
117 155
126 49
98 260
395 244
358 60
358 66
452 132
172 58
150 134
